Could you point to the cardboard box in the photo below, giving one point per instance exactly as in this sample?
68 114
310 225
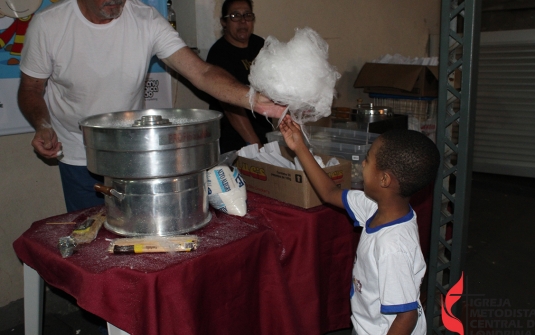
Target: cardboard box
398 79
287 185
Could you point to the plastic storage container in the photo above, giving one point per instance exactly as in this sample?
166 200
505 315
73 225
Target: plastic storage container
350 136
349 144
421 111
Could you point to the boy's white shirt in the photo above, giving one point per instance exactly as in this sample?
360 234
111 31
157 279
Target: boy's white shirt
388 269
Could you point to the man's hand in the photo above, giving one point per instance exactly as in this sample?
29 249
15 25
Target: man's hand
263 105
33 107
45 142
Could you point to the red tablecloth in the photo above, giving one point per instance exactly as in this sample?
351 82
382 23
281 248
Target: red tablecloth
278 270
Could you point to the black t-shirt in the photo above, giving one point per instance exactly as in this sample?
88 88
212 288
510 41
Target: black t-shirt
237 62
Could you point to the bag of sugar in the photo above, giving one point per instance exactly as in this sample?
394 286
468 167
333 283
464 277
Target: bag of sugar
226 190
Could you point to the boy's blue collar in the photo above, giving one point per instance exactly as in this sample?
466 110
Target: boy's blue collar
405 218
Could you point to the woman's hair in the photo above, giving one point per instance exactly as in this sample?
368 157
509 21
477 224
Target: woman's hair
227 3
411 157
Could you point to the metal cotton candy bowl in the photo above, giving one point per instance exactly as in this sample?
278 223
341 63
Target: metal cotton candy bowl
154 165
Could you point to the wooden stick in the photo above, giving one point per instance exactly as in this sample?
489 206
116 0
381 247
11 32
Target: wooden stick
153 240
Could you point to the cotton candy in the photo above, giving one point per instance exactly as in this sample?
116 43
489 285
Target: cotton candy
296 74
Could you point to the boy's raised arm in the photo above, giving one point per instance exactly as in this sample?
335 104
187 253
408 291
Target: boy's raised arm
326 188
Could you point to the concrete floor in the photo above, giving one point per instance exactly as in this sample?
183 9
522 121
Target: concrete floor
498 268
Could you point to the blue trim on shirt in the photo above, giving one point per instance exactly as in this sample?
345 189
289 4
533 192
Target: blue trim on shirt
348 208
405 218
393 309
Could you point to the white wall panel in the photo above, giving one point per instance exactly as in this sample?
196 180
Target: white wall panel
504 140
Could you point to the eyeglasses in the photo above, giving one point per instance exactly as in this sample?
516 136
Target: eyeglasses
235 17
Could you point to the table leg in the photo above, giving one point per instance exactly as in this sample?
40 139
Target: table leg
112 330
33 301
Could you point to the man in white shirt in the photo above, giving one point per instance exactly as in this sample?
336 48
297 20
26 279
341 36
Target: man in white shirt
87 57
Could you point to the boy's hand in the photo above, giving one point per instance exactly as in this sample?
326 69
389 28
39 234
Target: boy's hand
292 133
323 184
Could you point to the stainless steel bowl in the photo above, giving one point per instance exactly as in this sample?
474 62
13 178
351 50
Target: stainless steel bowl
368 113
151 143
371 109
156 207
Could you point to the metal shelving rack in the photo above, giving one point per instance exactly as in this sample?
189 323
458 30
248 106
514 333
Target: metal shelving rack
459 43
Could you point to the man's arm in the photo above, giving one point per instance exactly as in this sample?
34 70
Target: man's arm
219 83
239 120
323 184
404 323
33 107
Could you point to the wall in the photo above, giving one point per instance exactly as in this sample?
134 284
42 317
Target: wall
497 15
356 31
30 191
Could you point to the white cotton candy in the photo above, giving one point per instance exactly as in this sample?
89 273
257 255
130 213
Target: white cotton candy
296 74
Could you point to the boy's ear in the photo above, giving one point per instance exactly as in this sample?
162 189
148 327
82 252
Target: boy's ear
386 179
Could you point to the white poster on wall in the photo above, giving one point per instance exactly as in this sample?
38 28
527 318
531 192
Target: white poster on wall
158 92
12 29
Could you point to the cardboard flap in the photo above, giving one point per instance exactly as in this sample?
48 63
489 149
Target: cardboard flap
388 75
433 70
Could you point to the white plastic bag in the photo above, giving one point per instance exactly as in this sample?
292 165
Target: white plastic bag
226 190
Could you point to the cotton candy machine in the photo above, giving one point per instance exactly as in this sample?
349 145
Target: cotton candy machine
154 165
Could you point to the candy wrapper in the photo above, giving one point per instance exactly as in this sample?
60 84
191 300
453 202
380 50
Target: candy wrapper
84 232
152 244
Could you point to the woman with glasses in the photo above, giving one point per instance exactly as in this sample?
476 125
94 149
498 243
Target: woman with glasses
235 52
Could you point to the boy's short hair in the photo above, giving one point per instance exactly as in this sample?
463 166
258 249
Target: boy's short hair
411 157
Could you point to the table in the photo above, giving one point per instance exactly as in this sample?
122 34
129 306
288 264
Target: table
278 270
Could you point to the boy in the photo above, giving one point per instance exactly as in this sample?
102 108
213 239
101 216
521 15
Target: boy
389 265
